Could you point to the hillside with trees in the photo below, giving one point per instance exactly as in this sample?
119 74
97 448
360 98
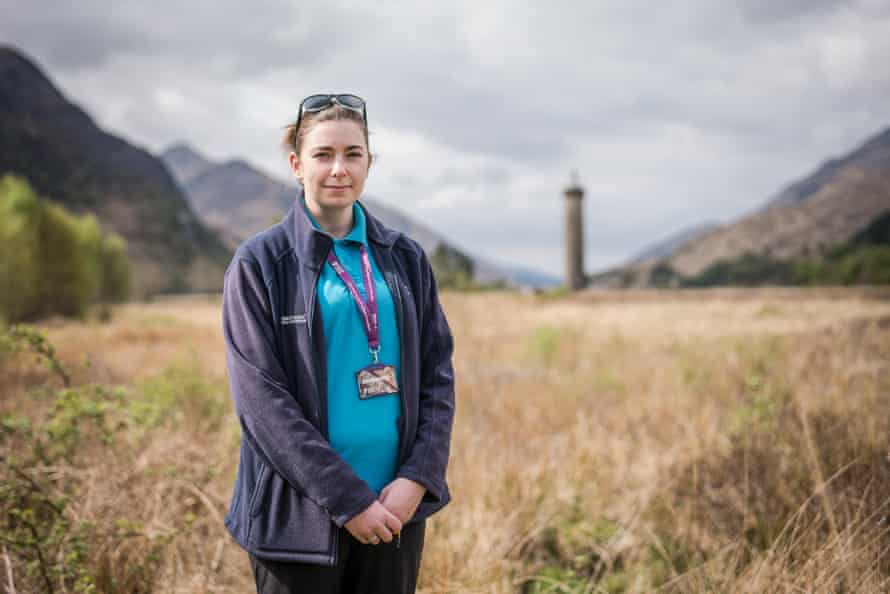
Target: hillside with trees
68 159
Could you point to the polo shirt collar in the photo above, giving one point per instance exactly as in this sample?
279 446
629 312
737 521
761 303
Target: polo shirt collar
359 232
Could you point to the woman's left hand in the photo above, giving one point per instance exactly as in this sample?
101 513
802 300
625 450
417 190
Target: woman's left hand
401 497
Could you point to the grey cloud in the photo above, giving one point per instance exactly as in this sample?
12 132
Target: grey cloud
644 65
769 13
214 38
482 176
704 79
69 46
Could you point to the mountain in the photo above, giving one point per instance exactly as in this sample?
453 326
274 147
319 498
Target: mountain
238 200
824 209
231 197
67 158
519 276
667 246
873 156
184 163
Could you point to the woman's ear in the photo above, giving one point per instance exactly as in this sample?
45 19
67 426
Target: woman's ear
370 159
295 165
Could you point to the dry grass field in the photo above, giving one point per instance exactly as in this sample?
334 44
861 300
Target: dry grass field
697 441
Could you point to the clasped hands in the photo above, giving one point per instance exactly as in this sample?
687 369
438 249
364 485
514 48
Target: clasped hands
385 517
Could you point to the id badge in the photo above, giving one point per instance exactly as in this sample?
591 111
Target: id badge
376 380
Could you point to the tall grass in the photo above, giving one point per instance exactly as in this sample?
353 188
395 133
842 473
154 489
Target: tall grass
710 442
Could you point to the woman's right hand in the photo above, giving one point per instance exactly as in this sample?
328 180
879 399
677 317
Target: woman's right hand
374 524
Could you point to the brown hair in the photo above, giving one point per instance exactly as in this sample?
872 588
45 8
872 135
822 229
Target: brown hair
293 138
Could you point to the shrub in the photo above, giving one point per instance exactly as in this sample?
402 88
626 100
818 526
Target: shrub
42 460
748 270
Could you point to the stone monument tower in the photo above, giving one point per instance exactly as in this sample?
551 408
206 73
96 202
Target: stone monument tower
574 234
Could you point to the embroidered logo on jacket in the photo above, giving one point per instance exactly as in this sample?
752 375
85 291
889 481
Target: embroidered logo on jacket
294 319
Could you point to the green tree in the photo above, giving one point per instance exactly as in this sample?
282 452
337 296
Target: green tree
65 282
51 261
115 270
19 281
453 269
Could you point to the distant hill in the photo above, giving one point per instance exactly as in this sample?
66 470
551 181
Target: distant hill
805 220
665 247
873 156
239 200
862 260
184 163
231 197
526 277
58 148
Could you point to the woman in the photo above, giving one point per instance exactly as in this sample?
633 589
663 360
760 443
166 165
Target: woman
339 359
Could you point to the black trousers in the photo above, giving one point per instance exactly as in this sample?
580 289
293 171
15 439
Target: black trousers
385 568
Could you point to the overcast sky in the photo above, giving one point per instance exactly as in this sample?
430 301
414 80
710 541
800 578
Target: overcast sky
672 113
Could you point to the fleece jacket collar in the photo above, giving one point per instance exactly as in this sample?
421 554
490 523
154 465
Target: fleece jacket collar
312 245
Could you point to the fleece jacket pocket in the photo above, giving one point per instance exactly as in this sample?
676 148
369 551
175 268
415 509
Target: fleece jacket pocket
283 520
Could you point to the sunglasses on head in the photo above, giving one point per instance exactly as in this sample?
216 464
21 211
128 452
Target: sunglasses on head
316 103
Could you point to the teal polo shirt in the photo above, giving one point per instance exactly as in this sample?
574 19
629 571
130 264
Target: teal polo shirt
364 432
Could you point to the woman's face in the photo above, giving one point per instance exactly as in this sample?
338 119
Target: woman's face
332 165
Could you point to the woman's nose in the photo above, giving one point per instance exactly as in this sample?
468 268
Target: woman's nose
338 168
